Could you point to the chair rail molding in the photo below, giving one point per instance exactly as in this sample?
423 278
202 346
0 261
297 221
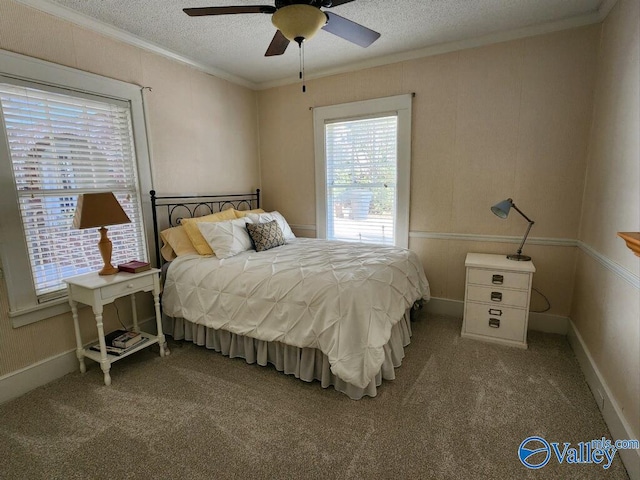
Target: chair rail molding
472 237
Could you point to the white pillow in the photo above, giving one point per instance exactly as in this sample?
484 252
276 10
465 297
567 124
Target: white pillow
228 238
277 216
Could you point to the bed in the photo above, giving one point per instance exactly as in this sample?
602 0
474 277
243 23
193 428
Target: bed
336 312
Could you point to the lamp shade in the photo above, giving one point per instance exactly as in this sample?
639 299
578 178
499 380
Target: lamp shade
502 208
299 22
98 210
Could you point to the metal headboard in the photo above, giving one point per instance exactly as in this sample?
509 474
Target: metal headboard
177 207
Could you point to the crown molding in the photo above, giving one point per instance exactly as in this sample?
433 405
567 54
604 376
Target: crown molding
531 31
129 38
121 35
605 8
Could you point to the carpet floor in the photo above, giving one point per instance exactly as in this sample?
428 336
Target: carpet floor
458 409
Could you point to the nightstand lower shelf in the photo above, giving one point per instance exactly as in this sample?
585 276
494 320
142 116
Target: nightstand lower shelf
150 340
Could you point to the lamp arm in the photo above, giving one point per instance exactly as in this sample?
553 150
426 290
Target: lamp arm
524 239
531 222
513 205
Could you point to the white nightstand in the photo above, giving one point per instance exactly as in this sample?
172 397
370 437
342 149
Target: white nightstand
98 291
496 302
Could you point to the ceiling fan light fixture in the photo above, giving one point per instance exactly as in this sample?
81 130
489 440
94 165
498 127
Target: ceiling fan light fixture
299 21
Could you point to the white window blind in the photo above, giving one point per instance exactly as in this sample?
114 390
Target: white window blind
361 167
61 146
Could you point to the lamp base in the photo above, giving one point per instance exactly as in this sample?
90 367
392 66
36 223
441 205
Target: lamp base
519 258
108 270
105 247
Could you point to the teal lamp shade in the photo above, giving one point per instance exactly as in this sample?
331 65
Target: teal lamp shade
502 209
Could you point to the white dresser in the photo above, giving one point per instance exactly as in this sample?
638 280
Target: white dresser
496 301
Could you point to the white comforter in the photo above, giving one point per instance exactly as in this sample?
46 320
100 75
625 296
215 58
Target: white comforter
342 298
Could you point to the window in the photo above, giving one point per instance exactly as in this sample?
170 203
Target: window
363 154
361 158
56 143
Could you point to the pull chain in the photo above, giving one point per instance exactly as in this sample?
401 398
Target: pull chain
301 56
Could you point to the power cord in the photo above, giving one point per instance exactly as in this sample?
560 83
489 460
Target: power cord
118 315
545 299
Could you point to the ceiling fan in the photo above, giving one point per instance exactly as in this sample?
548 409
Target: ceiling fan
299 20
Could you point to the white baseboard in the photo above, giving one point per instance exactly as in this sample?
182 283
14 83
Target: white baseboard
539 322
445 306
544 322
45 371
613 416
26 379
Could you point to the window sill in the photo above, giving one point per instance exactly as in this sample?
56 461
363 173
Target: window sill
27 316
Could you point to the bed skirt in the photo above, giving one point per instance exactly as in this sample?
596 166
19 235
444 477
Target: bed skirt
307 364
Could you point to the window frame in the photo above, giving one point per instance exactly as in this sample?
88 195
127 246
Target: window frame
24 308
399 105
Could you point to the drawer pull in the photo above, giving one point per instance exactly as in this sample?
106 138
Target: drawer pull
496 296
497 279
130 285
494 322
495 311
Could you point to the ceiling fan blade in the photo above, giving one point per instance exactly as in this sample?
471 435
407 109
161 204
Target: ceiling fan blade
335 3
204 11
278 45
351 31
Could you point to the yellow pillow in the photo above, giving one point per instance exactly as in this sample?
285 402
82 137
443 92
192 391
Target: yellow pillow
191 227
175 243
244 213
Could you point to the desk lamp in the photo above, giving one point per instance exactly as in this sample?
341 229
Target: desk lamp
502 210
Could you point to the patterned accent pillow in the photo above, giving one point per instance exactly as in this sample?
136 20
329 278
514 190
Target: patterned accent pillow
275 215
266 235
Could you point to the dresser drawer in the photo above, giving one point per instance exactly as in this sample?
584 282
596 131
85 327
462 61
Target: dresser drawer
498 278
499 296
119 289
481 319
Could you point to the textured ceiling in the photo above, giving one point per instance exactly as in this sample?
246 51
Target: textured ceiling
236 44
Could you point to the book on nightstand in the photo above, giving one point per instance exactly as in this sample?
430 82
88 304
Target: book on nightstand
111 350
126 339
134 266
122 338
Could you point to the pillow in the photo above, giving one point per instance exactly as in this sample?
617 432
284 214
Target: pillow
277 216
175 243
191 227
244 213
266 235
226 239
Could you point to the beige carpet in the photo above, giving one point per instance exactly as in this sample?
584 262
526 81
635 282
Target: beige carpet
457 410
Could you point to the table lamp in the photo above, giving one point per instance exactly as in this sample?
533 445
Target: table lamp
501 209
97 210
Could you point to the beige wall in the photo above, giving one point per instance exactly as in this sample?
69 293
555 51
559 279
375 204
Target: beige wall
203 133
606 308
511 119
505 120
